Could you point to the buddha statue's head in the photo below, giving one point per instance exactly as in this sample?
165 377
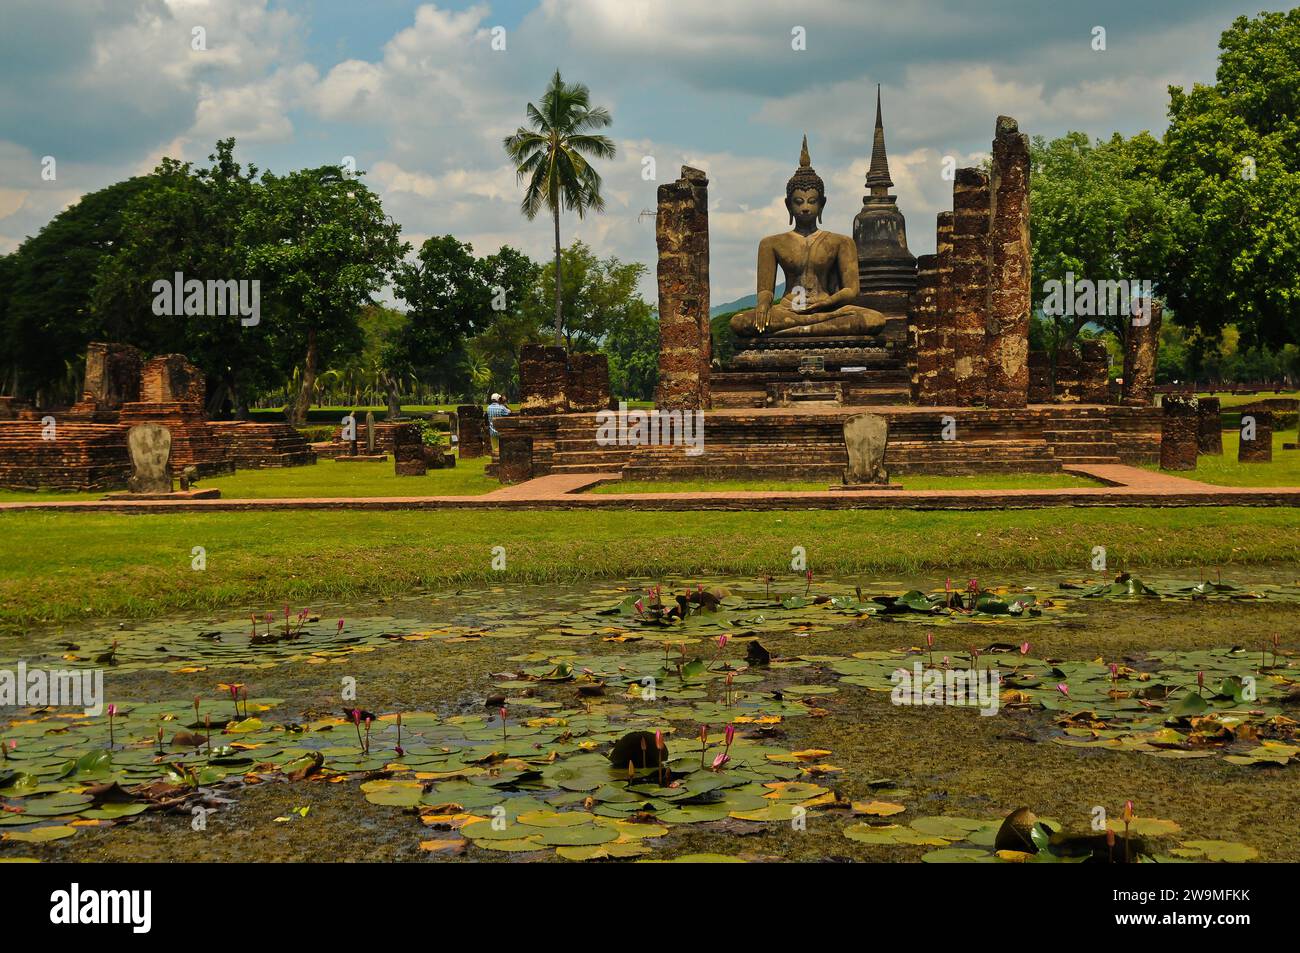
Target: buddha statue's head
805 193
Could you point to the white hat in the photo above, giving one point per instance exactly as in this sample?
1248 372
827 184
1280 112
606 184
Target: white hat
496 397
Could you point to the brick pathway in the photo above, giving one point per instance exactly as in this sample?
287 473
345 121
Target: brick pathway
1129 486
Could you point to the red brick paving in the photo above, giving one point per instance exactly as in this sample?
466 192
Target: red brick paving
1130 486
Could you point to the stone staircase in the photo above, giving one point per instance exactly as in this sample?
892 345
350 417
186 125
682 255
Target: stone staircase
1082 440
576 449
256 446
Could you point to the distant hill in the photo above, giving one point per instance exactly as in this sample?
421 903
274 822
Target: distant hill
741 303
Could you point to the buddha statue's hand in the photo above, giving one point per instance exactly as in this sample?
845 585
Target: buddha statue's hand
761 316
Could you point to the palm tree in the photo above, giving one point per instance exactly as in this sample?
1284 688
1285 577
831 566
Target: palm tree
552 156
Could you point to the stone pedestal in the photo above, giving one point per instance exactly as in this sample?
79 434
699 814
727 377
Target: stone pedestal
865 438
685 343
1260 449
150 446
1140 351
970 252
1178 433
588 385
1209 430
471 431
516 458
543 380
408 451
1009 271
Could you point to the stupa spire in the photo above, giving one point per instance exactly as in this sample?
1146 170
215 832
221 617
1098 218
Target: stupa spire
878 174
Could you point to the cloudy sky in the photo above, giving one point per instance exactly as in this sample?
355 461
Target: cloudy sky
416 93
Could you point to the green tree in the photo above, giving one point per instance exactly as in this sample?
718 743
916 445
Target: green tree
599 295
322 246
552 156
191 221
450 296
494 352
46 318
1233 155
1099 212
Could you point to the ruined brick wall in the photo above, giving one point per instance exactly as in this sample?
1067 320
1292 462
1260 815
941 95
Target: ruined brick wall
1209 430
543 379
944 389
923 331
970 252
1140 353
169 378
1259 450
685 345
1068 379
1009 269
588 382
471 431
1178 433
1094 372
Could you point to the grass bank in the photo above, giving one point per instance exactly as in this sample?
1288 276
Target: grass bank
65 567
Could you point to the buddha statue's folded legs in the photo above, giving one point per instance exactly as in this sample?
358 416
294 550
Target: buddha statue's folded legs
848 321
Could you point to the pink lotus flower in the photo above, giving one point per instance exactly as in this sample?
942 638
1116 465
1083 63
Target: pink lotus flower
1063 688
720 760
722 640
356 716
640 607
659 739
1114 672
112 710
1024 648
929 639
503 712
729 735
340 625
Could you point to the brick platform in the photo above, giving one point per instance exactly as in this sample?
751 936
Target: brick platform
257 446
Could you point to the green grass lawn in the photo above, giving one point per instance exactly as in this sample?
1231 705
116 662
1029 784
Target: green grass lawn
325 479
983 481
1284 470
1236 400
64 567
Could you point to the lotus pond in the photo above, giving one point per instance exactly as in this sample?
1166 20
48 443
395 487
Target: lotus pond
678 719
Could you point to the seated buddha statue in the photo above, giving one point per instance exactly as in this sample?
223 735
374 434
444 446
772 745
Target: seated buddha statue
820 269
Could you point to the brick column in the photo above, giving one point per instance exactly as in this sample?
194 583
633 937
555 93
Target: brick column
1259 450
1140 351
1178 426
685 344
1209 430
970 269
471 431
944 392
1009 269
923 330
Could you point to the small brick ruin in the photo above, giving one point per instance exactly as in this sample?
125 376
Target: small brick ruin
923 331
685 347
408 450
1259 449
1179 426
1140 350
1209 429
88 449
471 431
